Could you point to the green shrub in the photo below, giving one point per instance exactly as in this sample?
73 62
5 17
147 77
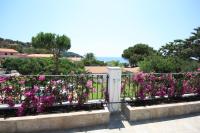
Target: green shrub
28 66
162 64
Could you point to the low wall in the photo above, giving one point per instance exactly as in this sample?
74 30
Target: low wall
160 111
54 121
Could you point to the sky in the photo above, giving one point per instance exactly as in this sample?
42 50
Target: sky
104 27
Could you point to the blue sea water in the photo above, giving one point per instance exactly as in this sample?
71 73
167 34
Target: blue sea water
106 59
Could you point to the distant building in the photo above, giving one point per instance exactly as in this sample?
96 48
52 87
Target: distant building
131 70
96 69
74 59
4 53
7 52
103 69
39 55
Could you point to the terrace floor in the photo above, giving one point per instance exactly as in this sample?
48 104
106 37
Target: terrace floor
118 123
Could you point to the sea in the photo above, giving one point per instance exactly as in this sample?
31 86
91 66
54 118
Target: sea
106 59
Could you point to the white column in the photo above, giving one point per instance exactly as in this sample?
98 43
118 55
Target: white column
114 88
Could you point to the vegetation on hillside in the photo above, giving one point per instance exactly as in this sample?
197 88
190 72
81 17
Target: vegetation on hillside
177 56
137 53
28 66
26 47
90 60
54 43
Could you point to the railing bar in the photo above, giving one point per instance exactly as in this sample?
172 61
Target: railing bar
65 75
92 85
102 81
97 83
129 85
106 92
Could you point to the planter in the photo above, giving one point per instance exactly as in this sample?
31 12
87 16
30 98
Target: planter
54 121
160 111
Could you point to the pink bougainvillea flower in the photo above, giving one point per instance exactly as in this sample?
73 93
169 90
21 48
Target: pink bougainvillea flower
48 100
148 87
41 77
22 82
188 75
171 91
85 94
28 94
69 98
94 90
141 94
89 84
122 86
35 88
64 87
7 89
139 77
9 101
162 91
34 101
1 99
58 81
152 77
20 111
185 87
40 108
53 82
3 79
198 69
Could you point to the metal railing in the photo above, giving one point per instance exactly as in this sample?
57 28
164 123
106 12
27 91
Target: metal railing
159 85
64 88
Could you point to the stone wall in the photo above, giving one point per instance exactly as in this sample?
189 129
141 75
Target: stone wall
54 121
160 111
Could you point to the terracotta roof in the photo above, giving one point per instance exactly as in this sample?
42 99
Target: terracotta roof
103 69
133 70
8 50
74 58
39 55
96 69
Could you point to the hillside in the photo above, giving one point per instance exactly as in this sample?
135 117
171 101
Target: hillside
25 47
71 54
4 42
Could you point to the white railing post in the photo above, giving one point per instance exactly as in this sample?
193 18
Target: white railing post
114 88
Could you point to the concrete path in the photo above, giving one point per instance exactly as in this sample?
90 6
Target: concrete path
119 124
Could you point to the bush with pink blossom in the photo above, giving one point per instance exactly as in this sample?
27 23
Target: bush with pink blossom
40 92
151 85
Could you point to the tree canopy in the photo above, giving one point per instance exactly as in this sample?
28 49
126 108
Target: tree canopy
54 43
177 56
185 49
137 53
90 60
41 66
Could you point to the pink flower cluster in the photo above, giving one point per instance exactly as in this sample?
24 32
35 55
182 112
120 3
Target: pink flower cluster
37 93
89 84
3 79
41 77
151 85
139 77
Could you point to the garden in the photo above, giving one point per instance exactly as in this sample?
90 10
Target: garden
41 94
157 95
158 88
